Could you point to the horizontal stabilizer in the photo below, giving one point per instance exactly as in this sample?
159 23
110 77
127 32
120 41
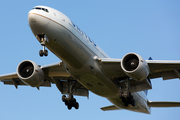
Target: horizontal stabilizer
112 107
163 104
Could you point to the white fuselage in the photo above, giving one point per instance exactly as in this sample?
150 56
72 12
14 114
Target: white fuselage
79 54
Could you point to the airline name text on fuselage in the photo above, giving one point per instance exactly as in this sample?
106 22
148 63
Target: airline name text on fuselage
82 33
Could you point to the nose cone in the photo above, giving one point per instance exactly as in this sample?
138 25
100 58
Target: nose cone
32 18
37 21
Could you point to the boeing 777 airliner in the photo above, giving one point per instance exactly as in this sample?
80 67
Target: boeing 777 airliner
86 67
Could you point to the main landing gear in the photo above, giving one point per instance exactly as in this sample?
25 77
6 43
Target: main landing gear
70 102
71 87
128 99
126 96
43 39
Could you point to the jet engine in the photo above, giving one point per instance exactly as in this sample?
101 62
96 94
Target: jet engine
135 66
30 73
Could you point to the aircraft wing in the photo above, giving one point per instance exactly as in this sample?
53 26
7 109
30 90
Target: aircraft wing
164 68
54 74
158 68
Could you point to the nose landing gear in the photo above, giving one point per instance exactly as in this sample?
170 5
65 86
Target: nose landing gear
43 52
43 39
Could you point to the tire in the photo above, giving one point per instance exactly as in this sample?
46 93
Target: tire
125 104
41 53
66 103
69 107
74 101
123 99
45 53
133 103
77 105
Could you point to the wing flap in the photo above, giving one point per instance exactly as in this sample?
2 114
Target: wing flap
163 104
169 75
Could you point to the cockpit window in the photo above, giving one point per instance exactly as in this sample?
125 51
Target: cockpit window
39 8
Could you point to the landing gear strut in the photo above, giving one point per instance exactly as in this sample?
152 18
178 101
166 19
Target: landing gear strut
43 39
126 96
70 102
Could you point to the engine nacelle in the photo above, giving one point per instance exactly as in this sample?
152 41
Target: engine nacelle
135 66
30 73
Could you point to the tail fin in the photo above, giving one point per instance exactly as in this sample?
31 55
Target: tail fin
163 104
146 92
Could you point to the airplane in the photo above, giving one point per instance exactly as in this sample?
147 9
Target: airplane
85 67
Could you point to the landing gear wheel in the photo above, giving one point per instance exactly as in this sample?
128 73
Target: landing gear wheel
70 102
66 103
45 53
133 103
74 100
69 106
76 105
41 53
127 99
125 103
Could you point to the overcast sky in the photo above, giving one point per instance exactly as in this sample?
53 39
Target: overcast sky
149 28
